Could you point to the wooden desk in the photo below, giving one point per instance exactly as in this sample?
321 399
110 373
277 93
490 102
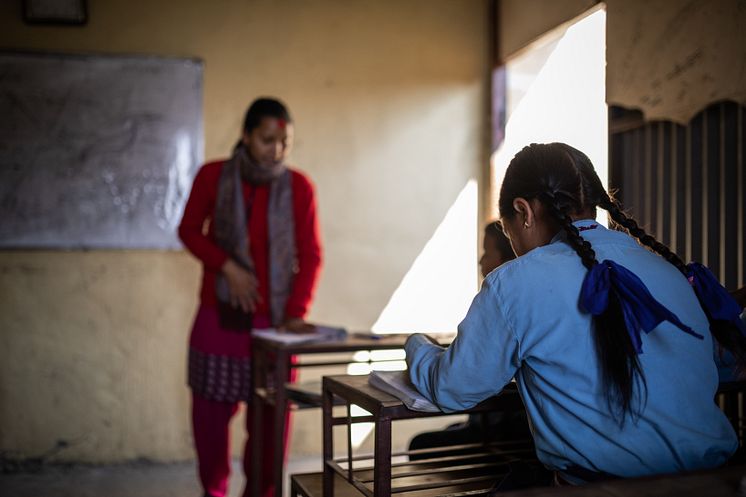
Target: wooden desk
433 476
271 364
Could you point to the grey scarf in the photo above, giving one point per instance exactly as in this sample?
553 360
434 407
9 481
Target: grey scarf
231 224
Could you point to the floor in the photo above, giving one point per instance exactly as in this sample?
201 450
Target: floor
141 479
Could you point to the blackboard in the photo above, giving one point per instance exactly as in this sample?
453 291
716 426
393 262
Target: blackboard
96 151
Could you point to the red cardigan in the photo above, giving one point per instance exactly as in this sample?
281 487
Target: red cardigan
198 215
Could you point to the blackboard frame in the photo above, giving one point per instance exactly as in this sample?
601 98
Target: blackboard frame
63 12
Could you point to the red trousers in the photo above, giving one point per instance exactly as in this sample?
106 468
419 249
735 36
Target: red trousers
211 440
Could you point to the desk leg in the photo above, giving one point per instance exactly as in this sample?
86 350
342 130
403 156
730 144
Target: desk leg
382 459
349 442
327 405
282 374
256 436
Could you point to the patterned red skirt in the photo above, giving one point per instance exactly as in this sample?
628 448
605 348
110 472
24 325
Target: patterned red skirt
219 359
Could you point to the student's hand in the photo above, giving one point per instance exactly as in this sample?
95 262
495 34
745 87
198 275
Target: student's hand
435 341
427 337
297 325
242 286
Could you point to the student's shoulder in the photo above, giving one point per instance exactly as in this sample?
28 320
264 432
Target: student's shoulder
538 267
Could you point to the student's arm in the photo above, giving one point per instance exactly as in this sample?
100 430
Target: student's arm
199 208
477 365
308 244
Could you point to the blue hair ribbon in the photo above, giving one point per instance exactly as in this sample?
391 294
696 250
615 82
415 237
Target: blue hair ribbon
714 298
640 309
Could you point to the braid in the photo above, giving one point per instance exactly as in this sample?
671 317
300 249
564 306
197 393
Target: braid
635 230
620 365
577 242
726 334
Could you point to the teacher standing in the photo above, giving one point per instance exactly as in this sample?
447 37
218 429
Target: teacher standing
251 221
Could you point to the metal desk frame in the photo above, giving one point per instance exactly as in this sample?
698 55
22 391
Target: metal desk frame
384 409
271 364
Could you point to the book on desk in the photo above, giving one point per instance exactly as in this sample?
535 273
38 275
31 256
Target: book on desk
322 334
398 384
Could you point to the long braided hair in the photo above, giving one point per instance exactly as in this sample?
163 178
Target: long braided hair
725 333
562 178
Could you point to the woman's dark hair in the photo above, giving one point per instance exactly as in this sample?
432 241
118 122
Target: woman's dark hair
562 178
264 107
495 230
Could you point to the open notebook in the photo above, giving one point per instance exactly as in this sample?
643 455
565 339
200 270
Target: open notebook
398 384
322 334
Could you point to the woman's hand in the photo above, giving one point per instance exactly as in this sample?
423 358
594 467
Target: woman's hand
297 325
242 286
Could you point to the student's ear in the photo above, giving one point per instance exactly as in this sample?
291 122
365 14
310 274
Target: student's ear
525 212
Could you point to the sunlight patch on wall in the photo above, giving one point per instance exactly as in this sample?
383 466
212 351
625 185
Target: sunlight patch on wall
433 296
359 431
436 292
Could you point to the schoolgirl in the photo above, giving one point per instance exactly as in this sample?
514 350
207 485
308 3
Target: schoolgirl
611 338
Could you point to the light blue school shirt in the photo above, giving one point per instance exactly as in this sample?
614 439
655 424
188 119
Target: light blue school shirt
526 323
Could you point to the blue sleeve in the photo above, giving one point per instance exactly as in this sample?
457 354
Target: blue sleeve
482 359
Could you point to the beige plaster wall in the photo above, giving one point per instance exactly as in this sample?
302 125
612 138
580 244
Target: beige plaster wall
389 99
671 59
93 351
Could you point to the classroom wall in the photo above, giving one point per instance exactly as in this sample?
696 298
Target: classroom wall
389 99
671 59
668 58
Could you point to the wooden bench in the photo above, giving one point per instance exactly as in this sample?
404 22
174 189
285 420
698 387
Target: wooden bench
311 485
472 470
724 482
